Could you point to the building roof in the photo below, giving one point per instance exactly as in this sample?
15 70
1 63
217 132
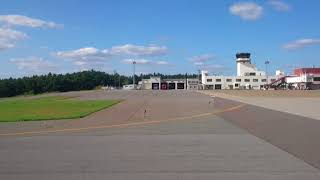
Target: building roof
300 71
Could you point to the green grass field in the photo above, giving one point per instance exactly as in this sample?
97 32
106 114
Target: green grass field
47 108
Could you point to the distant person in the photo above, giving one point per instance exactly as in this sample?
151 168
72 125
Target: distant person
145 113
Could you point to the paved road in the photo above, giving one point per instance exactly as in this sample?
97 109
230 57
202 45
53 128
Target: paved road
204 147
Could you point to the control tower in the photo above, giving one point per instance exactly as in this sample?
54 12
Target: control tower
244 66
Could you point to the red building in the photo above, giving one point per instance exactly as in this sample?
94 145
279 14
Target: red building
309 71
305 78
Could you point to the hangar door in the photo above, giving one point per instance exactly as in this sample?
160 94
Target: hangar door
217 86
180 85
164 86
155 86
172 85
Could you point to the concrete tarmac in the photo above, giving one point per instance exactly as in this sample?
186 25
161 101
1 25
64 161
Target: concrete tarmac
301 103
295 134
206 147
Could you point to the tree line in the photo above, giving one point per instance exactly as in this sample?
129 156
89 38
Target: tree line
85 80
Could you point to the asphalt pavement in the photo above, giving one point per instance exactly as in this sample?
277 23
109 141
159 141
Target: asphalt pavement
210 146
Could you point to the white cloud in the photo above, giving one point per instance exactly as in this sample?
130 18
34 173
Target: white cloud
301 43
90 56
198 63
87 65
145 61
201 59
11 34
8 37
247 10
19 20
162 62
5 45
34 64
138 61
135 50
279 5
80 63
85 54
86 58
91 53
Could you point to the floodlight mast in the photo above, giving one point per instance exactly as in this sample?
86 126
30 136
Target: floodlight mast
267 62
134 72
198 82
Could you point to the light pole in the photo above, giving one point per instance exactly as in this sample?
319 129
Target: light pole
114 75
119 81
134 72
199 71
267 63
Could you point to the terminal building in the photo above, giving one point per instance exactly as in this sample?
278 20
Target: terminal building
248 76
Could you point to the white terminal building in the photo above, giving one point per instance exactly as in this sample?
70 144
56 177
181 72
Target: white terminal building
248 76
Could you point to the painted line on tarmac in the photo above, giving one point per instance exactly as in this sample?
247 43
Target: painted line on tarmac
123 125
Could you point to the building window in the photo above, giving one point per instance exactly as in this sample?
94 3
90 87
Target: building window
218 86
246 80
255 80
238 80
209 87
218 80
229 80
209 80
263 80
252 74
316 78
272 80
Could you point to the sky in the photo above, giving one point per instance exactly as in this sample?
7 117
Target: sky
166 36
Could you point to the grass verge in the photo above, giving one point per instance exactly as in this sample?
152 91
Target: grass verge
49 108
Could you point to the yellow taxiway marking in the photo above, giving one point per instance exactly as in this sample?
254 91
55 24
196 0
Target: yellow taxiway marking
122 125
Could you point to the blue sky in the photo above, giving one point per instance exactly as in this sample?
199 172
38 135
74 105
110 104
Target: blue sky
168 36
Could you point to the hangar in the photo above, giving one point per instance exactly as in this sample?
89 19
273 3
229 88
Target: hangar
157 83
